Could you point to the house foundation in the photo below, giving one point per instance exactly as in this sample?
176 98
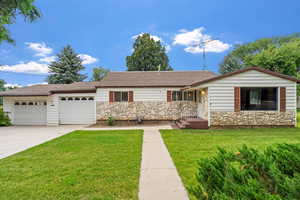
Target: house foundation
253 118
151 110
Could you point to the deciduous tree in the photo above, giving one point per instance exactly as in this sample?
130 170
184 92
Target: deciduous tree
99 73
148 55
10 9
280 54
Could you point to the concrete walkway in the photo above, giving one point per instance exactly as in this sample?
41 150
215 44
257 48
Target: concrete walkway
159 179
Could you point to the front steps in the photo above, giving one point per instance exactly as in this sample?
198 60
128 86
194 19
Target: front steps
192 123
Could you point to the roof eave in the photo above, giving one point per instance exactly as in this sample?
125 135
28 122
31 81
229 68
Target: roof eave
260 69
24 95
72 91
144 86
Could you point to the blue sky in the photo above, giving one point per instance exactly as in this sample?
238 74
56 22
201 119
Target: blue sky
103 31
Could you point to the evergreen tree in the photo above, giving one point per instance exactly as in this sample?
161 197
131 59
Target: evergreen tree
66 69
148 55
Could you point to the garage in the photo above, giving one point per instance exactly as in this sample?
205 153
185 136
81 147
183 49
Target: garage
30 112
77 110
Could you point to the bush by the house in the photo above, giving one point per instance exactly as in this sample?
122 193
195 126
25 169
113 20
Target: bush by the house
110 121
4 119
248 174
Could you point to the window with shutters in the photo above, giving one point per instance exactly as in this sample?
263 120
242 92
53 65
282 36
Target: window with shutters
259 98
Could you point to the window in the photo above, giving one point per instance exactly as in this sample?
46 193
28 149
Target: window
259 98
182 96
188 96
17 103
63 99
77 99
91 98
83 99
121 96
30 103
24 103
70 99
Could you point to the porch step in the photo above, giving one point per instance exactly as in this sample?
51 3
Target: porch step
182 124
193 123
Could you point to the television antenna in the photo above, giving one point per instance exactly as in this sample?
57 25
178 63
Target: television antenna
202 44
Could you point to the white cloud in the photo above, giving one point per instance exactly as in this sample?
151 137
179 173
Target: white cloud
168 48
156 39
48 59
31 67
87 59
43 83
192 39
10 85
41 49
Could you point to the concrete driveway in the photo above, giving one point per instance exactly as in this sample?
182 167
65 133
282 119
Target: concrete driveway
14 139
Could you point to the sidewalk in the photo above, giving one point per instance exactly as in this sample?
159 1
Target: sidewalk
159 179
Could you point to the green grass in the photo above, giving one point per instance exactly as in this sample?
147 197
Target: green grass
188 146
81 165
298 118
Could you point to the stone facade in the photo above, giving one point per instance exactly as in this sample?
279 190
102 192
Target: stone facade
253 118
151 110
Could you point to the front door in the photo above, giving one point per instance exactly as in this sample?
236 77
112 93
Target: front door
202 107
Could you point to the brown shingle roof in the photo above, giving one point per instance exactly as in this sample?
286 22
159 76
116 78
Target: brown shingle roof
45 90
154 79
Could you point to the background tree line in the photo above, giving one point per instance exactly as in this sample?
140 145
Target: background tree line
279 54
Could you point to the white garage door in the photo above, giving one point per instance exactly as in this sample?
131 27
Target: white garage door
30 113
77 110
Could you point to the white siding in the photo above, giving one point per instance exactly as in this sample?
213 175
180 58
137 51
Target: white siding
52 110
139 94
221 92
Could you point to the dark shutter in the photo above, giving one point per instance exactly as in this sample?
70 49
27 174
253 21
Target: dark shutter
130 96
282 99
237 99
111 96
169 96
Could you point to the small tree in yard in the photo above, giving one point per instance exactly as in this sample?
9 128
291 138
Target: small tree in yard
248 174
4 119
67 68
2 88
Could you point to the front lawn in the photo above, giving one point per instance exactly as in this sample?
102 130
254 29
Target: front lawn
81 165
188 146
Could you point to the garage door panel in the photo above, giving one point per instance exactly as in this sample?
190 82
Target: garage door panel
30 114
77 111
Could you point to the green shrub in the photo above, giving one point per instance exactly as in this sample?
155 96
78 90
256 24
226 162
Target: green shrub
4 119
110 121
247 174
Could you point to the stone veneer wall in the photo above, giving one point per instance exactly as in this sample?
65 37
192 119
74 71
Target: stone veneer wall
149 110
253 118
